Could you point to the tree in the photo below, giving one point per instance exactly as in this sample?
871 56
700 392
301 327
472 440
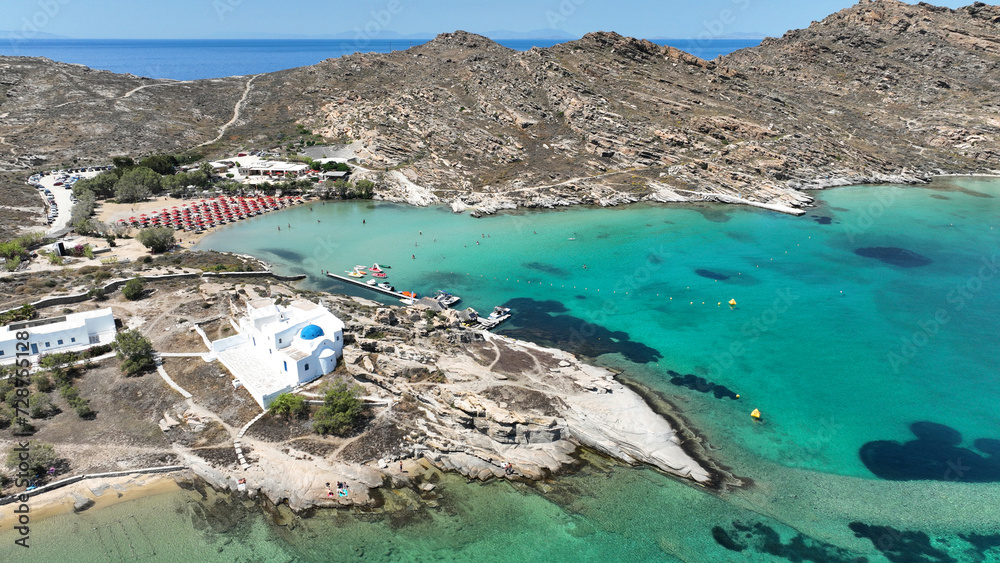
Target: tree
343 189
365 189
102 185
133 289
338 166
340 411
135 352
157 239
123 163
40 457
289 406
207 170
162 164
137 184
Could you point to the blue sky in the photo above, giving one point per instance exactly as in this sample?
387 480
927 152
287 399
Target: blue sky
184 19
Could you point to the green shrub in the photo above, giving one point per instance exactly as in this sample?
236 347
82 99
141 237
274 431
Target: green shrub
135 352
44 383
95 351
39 405
341 409
80 405
157 239
58 359
41 457
25 313
289 406
133 289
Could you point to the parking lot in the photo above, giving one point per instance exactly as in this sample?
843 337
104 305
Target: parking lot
60 197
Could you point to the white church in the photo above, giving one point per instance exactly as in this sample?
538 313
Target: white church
280 348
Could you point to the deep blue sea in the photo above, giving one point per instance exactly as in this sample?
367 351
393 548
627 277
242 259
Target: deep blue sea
197 58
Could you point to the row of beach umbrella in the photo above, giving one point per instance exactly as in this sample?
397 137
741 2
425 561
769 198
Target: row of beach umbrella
210 212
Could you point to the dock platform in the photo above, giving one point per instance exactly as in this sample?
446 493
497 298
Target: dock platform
358 283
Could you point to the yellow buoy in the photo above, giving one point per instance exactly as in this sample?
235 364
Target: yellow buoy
737 395
755 414
732 302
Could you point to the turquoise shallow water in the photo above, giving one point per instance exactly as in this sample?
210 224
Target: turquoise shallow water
837 349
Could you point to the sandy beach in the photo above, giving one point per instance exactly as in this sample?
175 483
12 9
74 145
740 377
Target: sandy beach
125 250
102 492
111 212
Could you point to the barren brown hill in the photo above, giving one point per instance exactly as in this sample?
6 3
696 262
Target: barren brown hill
882 91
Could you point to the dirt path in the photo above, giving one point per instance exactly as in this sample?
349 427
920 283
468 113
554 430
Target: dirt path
134 90
236 113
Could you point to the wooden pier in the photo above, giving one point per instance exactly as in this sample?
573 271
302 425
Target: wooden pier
482 323
359 283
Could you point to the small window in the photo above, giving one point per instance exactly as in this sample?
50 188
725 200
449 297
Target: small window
286 365
72 339
307 367
59 342
279 341
1 352
47 345
254 340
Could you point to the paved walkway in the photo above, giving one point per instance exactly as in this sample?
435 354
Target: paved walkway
239 446
171 382
201 355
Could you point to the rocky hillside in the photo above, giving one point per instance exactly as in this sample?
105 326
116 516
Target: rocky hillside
54 112
882 91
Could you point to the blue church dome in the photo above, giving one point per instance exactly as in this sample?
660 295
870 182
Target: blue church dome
311 332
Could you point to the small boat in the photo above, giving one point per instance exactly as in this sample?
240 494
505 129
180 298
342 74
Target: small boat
386 286
356 274
361 268
375 268
410 294
372 282
498 312
378 274
446 299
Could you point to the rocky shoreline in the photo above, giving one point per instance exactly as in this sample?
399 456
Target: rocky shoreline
795 202
468 402
440 396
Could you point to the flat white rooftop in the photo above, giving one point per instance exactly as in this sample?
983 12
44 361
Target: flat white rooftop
248 366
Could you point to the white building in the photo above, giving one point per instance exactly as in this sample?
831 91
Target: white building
280 348
69 333
273 168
